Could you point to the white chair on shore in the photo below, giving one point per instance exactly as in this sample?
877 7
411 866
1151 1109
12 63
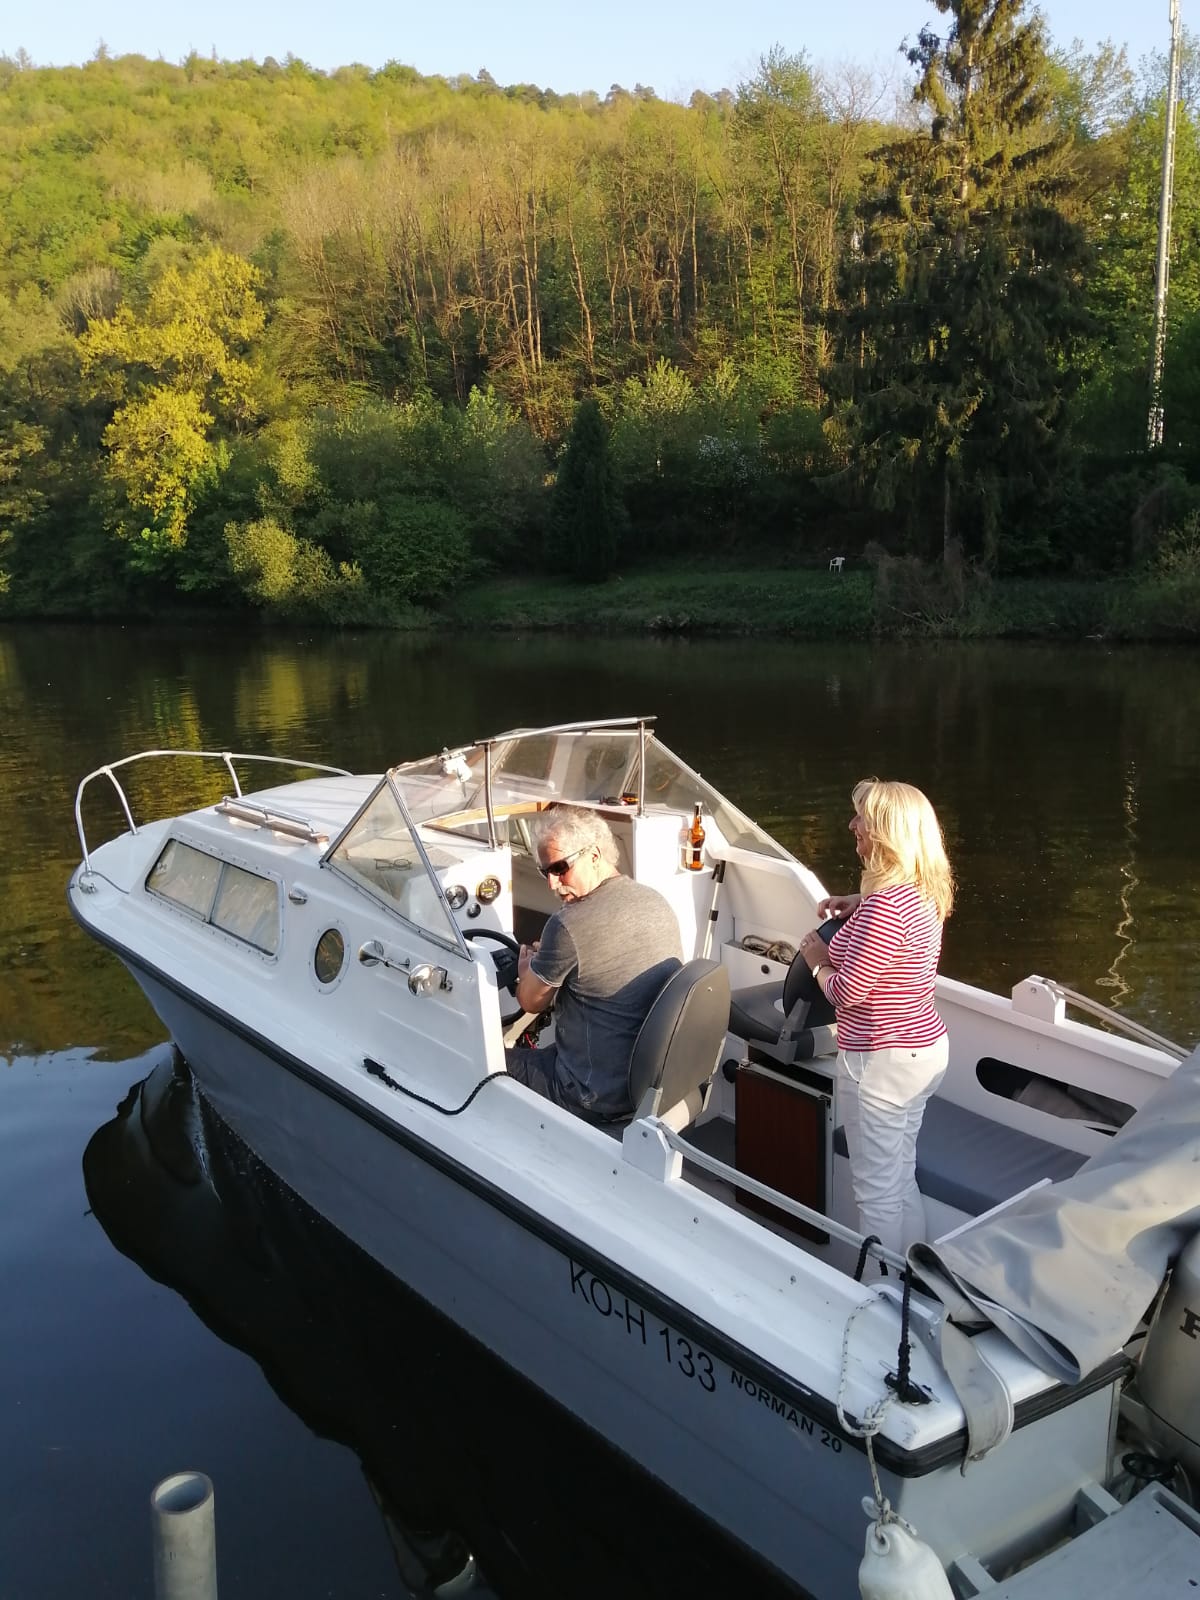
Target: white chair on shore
837 563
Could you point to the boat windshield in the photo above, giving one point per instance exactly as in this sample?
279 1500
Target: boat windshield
380 853
588 766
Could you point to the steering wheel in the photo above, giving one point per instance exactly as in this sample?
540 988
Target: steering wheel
505 959
800 983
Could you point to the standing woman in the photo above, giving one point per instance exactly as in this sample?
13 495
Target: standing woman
878 971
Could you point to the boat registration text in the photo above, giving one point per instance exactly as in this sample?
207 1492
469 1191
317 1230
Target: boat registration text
682 1354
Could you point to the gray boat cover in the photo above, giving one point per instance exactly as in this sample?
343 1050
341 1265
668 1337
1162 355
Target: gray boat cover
1068 1271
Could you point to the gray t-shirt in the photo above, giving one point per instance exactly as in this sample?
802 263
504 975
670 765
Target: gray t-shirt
608 955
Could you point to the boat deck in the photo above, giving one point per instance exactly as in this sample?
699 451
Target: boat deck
1150 1546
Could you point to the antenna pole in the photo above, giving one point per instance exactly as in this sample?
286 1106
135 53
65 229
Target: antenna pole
1154 426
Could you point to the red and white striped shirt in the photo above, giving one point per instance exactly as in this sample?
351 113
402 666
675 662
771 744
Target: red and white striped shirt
886 959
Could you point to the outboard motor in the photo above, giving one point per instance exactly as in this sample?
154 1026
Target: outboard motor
1168 1381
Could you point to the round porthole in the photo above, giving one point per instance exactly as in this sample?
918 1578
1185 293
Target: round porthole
329 957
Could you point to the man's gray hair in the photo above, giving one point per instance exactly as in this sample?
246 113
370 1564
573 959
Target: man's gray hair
573 828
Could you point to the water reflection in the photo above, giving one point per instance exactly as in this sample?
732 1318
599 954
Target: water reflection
1059 772
474 1471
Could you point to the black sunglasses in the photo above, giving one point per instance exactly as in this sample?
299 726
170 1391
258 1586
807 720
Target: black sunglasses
559 869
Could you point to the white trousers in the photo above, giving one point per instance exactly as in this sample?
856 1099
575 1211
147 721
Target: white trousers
881 1101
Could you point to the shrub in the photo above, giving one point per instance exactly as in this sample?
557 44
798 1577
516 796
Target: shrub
412 551
1166 602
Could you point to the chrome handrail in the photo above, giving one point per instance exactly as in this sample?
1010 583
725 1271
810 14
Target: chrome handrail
568 727
782 1202
227 756
1105 1013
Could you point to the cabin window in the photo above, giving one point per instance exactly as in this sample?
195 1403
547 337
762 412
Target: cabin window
329 957
238 902
186 877
247 906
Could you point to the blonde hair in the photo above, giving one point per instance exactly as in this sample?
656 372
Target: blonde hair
904 842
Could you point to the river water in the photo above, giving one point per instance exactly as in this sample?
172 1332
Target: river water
146 1327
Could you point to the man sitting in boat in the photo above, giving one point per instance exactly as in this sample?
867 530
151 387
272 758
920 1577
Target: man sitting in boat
601 961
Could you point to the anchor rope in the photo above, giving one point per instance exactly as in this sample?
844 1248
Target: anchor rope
861 1264
870 1425
900 1382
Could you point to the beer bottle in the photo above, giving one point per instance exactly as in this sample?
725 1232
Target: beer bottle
693 851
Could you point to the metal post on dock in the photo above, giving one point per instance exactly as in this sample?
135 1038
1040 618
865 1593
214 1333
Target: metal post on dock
185 1547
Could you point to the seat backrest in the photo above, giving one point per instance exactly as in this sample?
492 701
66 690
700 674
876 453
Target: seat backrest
675 1053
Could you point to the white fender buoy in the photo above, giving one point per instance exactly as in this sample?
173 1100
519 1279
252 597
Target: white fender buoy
898 1566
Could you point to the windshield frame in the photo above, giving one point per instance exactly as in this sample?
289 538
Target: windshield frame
458 945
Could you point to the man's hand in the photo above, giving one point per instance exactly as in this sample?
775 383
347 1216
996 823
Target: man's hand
525 955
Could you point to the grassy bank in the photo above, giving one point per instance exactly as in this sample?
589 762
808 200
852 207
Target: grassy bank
675 600
897 600
904 602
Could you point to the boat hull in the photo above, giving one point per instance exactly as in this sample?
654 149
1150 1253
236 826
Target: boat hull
767 1464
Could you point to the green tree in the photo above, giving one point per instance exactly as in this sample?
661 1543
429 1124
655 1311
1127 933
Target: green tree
587 517
173 368
775 126
964 314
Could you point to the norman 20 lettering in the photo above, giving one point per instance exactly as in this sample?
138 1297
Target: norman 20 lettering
680 1353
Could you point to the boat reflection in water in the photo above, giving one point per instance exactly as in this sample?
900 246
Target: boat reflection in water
474 1471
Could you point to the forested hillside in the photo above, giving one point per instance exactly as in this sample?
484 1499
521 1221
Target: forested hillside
319 344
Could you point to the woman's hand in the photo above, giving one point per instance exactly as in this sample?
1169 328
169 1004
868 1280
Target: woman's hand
814 949
837 905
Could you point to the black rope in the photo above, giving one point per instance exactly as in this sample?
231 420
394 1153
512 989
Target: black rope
872 1238
380 1072
1150 1469
900 1382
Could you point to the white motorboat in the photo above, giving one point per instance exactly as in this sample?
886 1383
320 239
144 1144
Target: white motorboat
330 955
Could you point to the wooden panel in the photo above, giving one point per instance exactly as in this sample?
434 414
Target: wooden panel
782 1140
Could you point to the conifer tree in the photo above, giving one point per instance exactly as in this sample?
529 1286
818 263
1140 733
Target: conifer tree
964 296
587 521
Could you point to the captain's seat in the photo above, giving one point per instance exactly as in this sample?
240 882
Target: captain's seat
675 1053
792 1020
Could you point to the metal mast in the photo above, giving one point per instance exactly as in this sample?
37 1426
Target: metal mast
1154 426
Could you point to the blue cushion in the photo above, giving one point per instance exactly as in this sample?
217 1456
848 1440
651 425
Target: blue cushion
971 1163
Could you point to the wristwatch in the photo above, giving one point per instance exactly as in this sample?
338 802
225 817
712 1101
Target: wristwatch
818 969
